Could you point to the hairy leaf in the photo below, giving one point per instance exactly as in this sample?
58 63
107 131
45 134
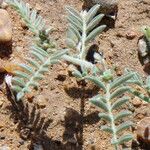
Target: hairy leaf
122 114
124 126
119 102
105 116
121 80
119 92
107 129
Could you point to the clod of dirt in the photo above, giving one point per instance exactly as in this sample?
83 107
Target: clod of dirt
131 35
143 130
5 27
136 102
106 6
3 4
41 101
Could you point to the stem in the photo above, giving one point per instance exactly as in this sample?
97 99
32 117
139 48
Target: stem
113 126
83 48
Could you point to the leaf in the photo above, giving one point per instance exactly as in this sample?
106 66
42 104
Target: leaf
78 61
121 80
107 129
70 43
119 92
140 95
122 114
75 30
74 14
95 32
99 103
94 22
124 126
31 17
119 102
75 23
105 116
97 81
77 74
91 13
125 138
136 79
29 76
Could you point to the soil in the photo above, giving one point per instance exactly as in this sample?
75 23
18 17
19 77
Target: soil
67 121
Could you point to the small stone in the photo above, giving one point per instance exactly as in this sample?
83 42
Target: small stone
38 7
143 130
5 148
5 27
107 6
136 102
41 101
142 48
3 5
131 35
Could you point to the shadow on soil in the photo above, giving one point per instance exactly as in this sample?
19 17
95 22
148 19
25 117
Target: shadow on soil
32 127
5 50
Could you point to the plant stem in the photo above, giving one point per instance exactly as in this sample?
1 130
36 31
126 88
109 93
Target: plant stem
113 126
83 47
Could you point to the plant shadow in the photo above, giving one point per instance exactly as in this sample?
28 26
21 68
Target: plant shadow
31 126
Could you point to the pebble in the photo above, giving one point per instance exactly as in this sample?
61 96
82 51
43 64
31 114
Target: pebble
5 27
131 35
136 102
143 130
107 6
142 47
38 7
3 4
5 148
41 101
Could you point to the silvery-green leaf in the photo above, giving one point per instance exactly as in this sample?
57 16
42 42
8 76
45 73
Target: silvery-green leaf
77 74
72 35
75 23
91 13
105 116
119 102
75 15
75 30
99 103
95 21
119 91
121 80
125 138
97 81
95 32
20 95
70 43
122 114
107 129
78 61
124 126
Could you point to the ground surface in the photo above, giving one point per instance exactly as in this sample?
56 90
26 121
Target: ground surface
69 121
